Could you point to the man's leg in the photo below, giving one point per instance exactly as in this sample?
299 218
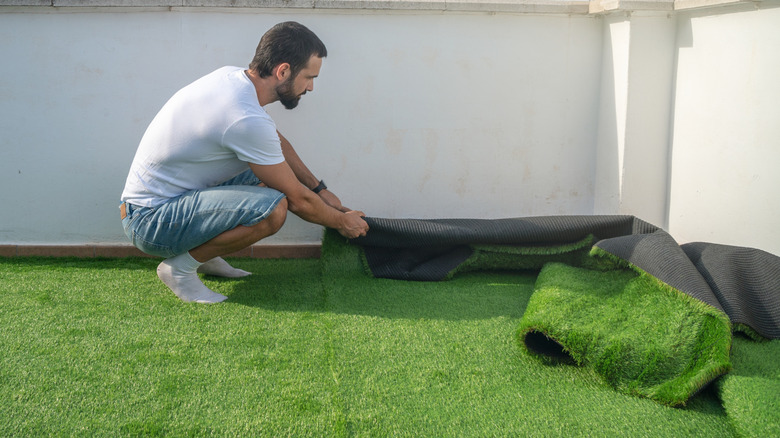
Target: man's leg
179 273
217 266
206 224
241 237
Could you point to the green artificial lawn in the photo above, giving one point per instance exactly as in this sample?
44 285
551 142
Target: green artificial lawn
312 348
751 393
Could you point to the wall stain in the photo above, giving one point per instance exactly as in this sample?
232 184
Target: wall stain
394 141
431 144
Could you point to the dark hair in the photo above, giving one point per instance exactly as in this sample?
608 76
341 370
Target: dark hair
288 42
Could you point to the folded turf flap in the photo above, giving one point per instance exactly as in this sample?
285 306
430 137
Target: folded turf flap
742 282
433 249
746 283
641 336
659 255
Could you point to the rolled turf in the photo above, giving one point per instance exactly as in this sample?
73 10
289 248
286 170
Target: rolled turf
640 335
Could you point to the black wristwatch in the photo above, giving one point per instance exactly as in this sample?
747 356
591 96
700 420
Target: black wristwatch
320 187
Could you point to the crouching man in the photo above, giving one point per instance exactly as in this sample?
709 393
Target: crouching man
212 175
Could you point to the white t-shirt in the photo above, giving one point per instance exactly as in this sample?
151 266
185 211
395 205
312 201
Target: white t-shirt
203 136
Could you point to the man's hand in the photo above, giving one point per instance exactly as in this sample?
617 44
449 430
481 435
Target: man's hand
333 200
353 225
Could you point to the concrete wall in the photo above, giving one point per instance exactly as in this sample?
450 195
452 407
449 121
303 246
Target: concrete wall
634 115
725 184
689 132
415 114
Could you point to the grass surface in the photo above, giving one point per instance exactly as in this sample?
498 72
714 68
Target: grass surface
301 348
751 394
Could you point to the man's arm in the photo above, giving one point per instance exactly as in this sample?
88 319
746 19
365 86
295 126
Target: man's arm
306 204
305 176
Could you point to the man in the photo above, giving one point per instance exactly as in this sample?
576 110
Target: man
212 175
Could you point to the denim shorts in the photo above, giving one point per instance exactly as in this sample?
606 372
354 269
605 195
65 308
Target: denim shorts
194 218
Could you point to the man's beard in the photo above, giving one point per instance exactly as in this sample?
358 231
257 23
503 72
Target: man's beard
287 96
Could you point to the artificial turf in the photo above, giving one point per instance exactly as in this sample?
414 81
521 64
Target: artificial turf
309 348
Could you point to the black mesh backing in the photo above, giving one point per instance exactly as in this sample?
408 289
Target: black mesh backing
416 264
403 233
745 281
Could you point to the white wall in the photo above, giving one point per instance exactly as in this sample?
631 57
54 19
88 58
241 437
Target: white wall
669 116
725 184
415 115
689 122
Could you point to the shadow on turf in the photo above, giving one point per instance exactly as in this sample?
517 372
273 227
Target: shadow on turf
473 296
297 285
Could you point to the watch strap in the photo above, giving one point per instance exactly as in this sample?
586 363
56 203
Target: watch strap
320 187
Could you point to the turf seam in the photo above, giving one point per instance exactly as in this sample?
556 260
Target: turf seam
340 408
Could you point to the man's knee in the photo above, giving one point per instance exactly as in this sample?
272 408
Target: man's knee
273 222
278 216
